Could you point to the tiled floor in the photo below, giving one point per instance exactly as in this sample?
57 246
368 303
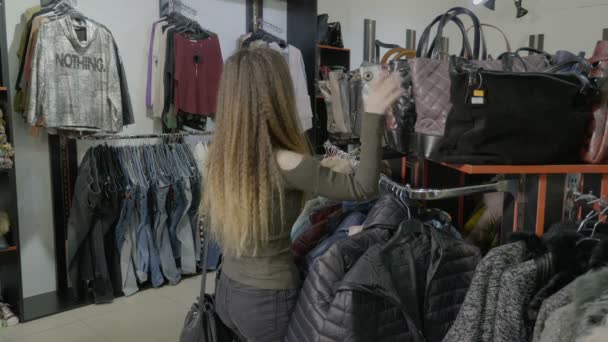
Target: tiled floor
154 315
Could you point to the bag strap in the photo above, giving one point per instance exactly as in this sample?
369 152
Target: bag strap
483 35
201 298
536 51
424 39
406 53
422 50
456 11
379 44
586 66
507 63
398 53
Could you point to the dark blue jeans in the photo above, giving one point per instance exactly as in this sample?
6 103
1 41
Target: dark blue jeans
161 233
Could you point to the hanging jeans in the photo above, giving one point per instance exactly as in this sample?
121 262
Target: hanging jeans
195 186
183 230
142 264
175 209
80 259
161 233
126 241
148 260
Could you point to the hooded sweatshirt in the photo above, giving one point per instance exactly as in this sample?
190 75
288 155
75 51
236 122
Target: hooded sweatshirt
75 83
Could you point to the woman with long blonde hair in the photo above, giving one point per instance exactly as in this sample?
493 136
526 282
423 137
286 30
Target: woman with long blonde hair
260 170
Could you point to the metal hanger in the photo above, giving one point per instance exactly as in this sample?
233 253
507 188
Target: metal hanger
590 216
591 241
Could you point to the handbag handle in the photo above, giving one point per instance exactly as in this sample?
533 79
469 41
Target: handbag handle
483 35
398 53
406 53
456 11
424 39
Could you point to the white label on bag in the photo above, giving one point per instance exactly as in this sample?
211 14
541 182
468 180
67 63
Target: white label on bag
478 100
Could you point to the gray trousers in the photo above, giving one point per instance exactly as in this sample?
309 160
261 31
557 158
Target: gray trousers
255 315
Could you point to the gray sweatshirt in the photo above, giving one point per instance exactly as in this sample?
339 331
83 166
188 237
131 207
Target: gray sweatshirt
75 84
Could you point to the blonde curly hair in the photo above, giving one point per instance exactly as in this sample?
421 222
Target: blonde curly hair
256 116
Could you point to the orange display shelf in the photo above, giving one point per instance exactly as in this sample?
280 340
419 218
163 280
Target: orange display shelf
327 47
8 250
529 169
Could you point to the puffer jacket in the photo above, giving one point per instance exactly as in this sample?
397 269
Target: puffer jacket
367 288
315 301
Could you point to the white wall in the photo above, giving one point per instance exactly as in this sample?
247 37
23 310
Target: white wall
567 24
129 21
393 18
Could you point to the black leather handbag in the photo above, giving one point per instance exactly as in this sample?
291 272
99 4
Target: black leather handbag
202 323
501 117
329 33
322 30
334 35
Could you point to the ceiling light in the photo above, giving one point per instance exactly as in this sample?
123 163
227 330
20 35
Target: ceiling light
491 4
520 10
486 3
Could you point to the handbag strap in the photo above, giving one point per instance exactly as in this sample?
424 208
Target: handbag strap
201 298
423 50
483 35
477 46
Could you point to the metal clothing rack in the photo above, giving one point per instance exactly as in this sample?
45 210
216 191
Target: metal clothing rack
263 24
178 6
506 186
334 151
145 136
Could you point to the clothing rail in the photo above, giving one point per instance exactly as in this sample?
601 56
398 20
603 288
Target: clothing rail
263 24
145 136
179 7
509 186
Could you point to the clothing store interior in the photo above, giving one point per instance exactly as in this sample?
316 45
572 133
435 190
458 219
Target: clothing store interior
303 170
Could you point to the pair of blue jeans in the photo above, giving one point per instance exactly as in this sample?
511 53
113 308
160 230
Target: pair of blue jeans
148 259
125 240
162 238
180 226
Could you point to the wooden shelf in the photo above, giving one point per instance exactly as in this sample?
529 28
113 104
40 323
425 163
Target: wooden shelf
3 88
529 169
327 47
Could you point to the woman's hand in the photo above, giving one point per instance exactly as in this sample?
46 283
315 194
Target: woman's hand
384 91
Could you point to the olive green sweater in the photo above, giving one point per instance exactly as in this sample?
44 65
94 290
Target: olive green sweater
273 267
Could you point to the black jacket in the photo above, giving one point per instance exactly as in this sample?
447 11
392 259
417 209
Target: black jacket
383 285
